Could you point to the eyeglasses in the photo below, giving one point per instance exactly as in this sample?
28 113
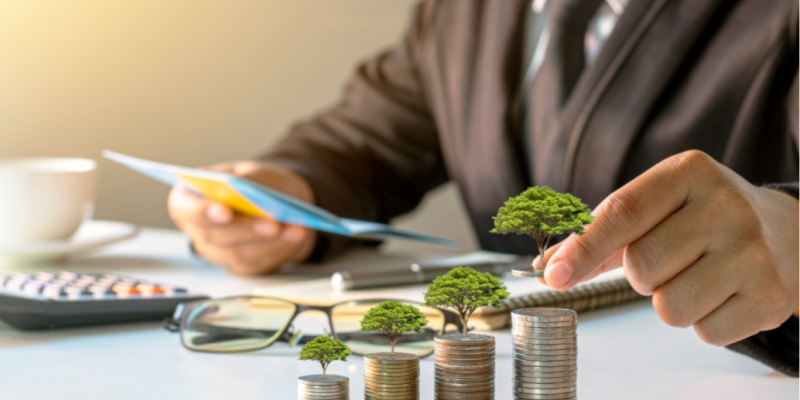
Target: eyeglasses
246 323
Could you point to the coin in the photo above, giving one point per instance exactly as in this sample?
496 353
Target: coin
548 329
531 396
545 391
543 314
544 363
541 324
389 358
520 340
315 387
390 376
545 383
528 272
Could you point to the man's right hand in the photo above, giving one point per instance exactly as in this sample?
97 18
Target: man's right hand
244 245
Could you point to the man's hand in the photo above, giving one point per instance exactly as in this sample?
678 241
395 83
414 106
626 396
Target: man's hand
714 251
244 245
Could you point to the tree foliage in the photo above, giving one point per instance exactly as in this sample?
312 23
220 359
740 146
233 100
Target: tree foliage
324 350
465 290
542 213
393 318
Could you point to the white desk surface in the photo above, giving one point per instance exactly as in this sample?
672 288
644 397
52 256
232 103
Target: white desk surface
624 352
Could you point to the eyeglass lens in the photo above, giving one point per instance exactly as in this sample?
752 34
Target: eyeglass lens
236 324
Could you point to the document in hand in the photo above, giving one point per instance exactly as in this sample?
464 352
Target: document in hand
250 198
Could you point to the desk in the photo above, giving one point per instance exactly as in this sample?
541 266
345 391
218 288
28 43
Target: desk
625 352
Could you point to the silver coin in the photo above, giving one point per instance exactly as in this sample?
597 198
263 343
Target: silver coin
539 324
545 383
544 314
539 334
459 338
532 370
546 351
322 395
539 357
547 329
543 363
530 396
524 341
318 380
528 375
528 272
544 391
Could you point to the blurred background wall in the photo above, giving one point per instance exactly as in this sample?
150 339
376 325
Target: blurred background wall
185 82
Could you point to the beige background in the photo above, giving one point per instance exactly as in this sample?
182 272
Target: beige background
184 82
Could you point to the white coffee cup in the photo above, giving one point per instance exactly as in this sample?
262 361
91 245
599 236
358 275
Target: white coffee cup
45 199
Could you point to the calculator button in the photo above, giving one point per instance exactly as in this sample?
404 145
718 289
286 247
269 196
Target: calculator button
44 277
53 290
87 278
32 287
77 290
100 289
67 276
126 289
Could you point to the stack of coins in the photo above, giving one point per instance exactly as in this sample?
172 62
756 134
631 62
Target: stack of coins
388 376
545 353
313 387
464 367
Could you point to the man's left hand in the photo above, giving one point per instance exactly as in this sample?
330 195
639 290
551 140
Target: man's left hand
714 251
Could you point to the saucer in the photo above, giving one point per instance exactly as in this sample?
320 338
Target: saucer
90 236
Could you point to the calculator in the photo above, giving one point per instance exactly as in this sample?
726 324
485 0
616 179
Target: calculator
47 300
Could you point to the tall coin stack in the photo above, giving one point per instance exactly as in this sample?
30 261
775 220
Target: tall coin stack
464 367
388 376
545 353
313 387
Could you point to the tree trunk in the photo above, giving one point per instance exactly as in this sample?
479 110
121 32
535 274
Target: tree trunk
541 257
393 340
464 322
324 367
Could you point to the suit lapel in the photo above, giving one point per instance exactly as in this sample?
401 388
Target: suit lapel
615 100
489 159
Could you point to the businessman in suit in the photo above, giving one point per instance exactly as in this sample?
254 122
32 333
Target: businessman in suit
679 127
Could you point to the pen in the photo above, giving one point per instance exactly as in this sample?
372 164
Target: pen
421 272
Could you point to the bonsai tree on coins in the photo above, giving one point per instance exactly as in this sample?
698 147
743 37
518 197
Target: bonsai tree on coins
392 319
465 290
324 350
542 213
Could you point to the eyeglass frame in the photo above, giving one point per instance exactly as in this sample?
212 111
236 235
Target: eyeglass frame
177 321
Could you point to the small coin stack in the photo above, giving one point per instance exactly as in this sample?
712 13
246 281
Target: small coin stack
464 367
545 353
313 387
388 376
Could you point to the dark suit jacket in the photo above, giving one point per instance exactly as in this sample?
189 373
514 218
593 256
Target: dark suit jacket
712 75
718 76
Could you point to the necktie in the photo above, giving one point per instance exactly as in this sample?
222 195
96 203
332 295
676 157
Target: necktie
559 72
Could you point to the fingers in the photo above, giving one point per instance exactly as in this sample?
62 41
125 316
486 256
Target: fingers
612 263
697 291
666 250
240 230
259 256
625 216
185 207
735 320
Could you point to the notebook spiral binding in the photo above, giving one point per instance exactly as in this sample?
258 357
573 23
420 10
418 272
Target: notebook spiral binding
589 296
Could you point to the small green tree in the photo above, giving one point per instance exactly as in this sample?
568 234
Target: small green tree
465 290
542 213
324 350
392 319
